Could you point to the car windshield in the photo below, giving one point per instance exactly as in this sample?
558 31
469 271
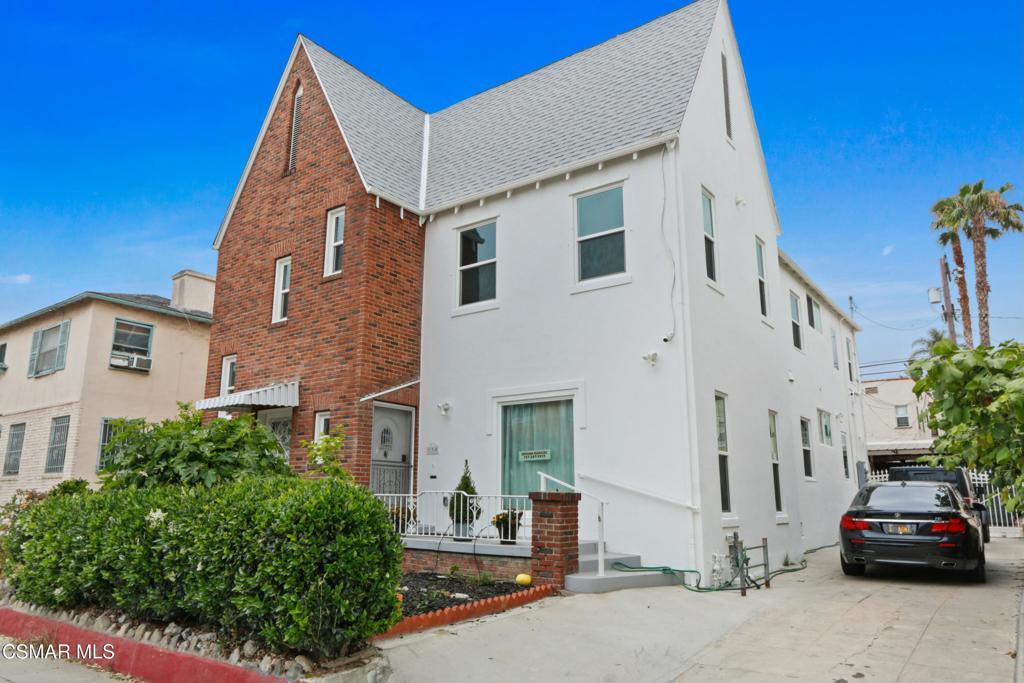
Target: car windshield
906 497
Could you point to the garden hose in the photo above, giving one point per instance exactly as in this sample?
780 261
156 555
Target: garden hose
697 588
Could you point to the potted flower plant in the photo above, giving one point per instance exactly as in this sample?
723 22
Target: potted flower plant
507 524
463 507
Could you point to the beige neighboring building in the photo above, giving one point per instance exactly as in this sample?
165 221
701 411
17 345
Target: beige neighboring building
892 413
69 368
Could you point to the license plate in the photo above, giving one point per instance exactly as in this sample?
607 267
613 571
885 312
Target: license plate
900 529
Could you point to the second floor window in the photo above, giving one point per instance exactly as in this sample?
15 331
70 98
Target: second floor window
282 288
600 234
708 212
835 350
902 416
762 280
131 338
849 358
335 242
3 356
478 264
49 349
813 313
725 92
794 311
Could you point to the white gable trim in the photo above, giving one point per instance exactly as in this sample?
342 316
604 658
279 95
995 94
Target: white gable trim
424 161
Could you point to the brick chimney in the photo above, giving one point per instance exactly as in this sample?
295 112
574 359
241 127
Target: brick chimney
192 290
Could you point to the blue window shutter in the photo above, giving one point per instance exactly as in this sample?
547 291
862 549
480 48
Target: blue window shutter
36 338
62 348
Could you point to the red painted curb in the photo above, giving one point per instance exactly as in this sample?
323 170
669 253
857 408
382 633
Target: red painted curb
469 610
140 660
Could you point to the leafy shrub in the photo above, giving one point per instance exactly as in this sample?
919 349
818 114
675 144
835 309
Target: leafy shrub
70 487
301 564
183 450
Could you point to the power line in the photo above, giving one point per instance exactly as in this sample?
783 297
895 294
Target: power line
857 310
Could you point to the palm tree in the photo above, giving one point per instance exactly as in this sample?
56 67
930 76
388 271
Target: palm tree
949 235
982 214
923 345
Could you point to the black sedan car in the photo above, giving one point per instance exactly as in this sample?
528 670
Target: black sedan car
919 523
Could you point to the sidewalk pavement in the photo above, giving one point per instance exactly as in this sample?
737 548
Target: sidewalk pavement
50 671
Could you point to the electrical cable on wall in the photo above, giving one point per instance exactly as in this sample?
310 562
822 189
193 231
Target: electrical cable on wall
668 249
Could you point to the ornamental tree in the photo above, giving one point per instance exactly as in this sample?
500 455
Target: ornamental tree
978 407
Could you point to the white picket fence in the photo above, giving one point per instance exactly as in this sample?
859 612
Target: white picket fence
1002 521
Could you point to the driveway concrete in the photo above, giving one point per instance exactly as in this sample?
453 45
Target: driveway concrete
816 625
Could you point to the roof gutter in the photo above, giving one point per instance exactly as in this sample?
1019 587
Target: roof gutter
78 298
787 261
540 177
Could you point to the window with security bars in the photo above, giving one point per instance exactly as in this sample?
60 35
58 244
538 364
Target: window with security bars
57 450
15 441
106 435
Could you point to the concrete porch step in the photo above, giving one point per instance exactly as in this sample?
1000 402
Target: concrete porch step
590 582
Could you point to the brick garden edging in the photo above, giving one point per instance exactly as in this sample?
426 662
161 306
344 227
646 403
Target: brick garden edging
470 610
147 661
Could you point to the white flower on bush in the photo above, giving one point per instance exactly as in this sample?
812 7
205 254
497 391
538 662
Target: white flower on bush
319 460
156 516
58 591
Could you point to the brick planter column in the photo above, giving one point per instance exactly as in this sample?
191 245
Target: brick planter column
555 537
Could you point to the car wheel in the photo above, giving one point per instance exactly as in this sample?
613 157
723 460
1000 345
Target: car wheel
977 574
851 569
986 533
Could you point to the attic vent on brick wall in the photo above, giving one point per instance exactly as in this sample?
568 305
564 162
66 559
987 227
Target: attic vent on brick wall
293 143
870 390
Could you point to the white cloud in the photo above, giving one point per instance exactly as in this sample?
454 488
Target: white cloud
20 279
888 249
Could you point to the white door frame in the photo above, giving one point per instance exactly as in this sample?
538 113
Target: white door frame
413 487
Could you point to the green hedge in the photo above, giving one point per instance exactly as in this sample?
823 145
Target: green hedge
308 565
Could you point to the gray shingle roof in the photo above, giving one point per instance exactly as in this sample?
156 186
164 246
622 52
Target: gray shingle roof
383 131
149 302
623 92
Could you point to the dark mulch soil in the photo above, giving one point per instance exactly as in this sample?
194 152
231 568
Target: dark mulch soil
426 591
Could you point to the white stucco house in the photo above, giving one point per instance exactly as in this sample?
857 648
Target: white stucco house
637 308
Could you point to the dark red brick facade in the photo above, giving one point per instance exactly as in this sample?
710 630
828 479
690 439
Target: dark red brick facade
347 335
501 567
555 537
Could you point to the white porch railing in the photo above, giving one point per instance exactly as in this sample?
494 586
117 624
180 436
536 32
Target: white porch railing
545 478
454 514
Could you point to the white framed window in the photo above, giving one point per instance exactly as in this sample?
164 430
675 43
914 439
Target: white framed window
707 203
805 445
58 448
794 312
334 242
15 442
3 356
813 313
293 139
228 366
723 452
478 263
824 428
835 350
849 358
321 424
282 288
600 234
762 280
49 349
725 94
902 416
846 455
132 338
773 445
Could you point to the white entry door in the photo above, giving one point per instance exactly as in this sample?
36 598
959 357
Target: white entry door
279 421
391 464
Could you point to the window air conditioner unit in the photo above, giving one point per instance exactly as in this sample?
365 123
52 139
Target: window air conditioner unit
119 361
140 363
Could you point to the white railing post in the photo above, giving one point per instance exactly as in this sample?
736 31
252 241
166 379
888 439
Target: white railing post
543 482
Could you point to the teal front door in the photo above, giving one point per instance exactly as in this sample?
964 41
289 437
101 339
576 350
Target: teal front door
536 437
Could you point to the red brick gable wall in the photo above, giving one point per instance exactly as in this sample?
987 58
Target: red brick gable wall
347 335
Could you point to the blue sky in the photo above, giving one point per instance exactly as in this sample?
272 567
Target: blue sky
125 126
